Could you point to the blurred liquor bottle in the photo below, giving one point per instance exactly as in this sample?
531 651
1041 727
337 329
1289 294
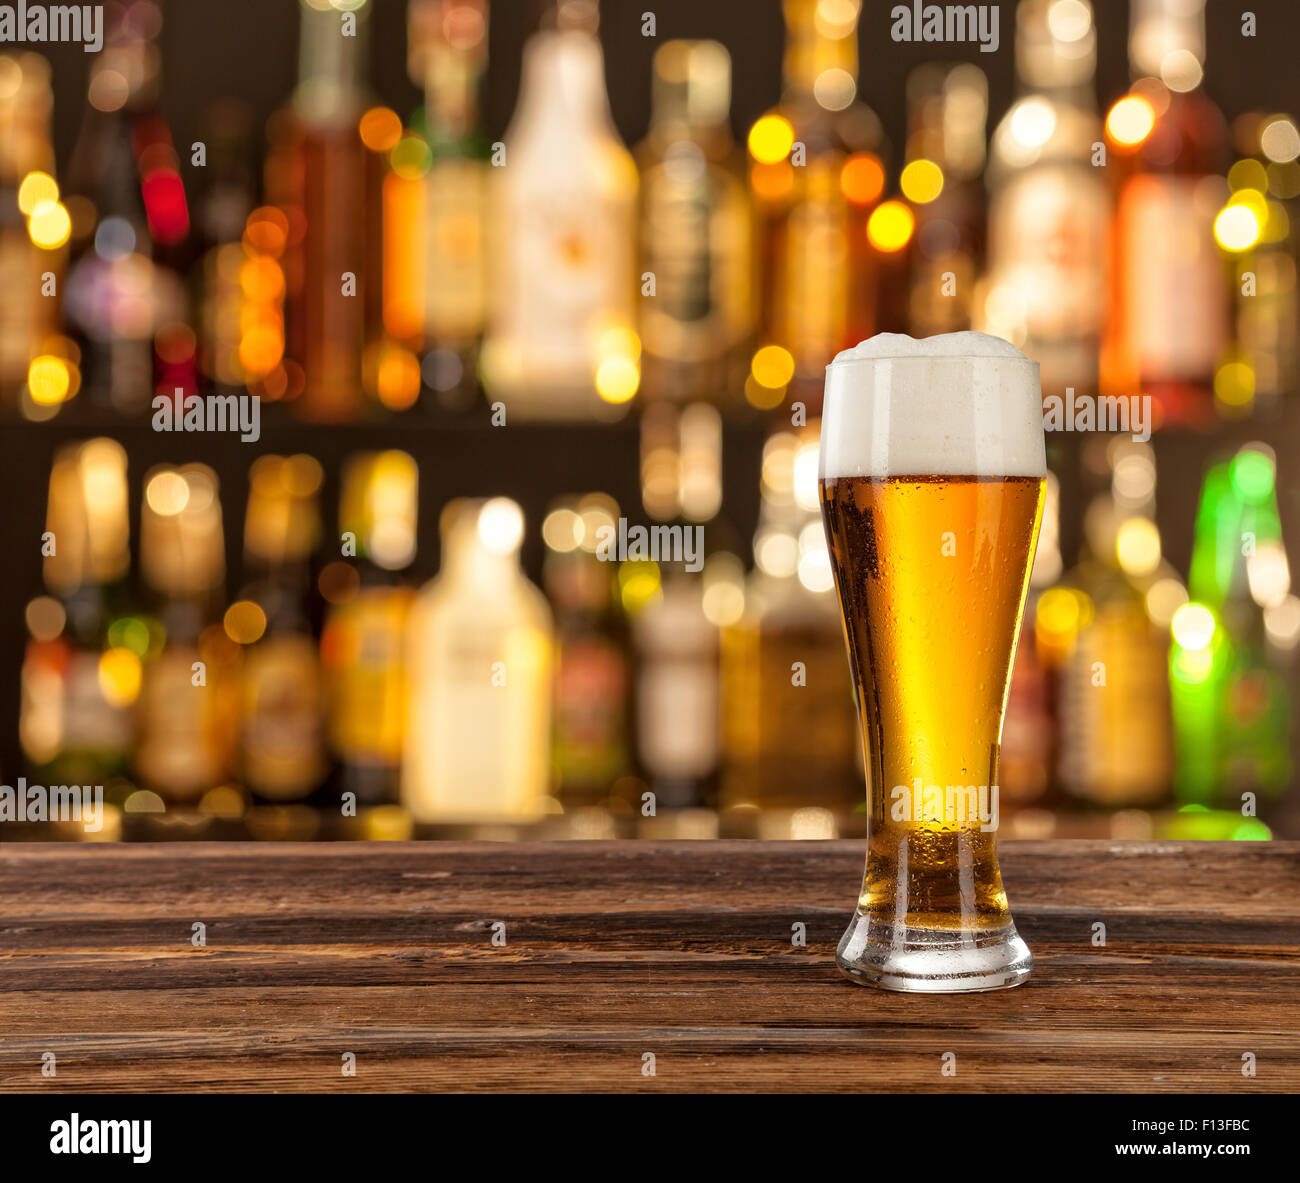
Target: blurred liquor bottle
1028 747
129 221
1113 631
677 693
695 232
447 248
676 643
187 715
816 172
81 672
1257 230
222 205
478 747
34 228
281 716
1049 209
363 643
1168 322
947 113
591 725
1231 701
320 174
789 729
560 342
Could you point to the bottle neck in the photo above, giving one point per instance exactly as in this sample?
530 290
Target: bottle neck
814 48
1167 41
331 62
564 82
467 561
450 97
1056 45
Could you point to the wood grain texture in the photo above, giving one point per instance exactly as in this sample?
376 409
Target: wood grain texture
615 949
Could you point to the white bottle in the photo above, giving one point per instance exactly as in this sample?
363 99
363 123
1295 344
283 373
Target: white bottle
560 343
480 645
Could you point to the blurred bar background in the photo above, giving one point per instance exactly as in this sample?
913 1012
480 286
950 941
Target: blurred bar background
507 278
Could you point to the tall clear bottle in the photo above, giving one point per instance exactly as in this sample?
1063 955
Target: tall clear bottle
695 232
447 52
478 747
1049 209
560 342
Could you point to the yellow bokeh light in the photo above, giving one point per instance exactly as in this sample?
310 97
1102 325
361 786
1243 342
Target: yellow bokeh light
772 366
1130 120
619 341
1247 174
1234 384
48 380
770 139
890 226
1058 611
1137 546
50 225
37 188
1237 227
167 493
922 181
119 676
617 379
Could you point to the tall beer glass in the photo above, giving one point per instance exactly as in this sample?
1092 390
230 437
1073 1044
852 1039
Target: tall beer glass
932 474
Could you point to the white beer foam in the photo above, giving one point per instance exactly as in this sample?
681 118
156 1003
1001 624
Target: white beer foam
959 404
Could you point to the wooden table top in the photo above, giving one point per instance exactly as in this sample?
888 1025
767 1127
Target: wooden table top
616 950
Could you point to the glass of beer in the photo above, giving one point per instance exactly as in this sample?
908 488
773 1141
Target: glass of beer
932 474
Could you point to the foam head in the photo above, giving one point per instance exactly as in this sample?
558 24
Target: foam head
959 404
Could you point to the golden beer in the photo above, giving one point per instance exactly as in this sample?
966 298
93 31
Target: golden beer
932 566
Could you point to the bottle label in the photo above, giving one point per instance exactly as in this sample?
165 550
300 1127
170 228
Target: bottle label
480 738
694 238
283 725
566 280
678 719
590 689
183 748
90 722
816 304
1048 249
1172 276
456 292
367 686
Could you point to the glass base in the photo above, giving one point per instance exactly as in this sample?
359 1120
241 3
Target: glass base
932 960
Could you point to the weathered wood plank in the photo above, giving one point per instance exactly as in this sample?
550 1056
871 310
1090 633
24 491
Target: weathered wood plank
614 949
